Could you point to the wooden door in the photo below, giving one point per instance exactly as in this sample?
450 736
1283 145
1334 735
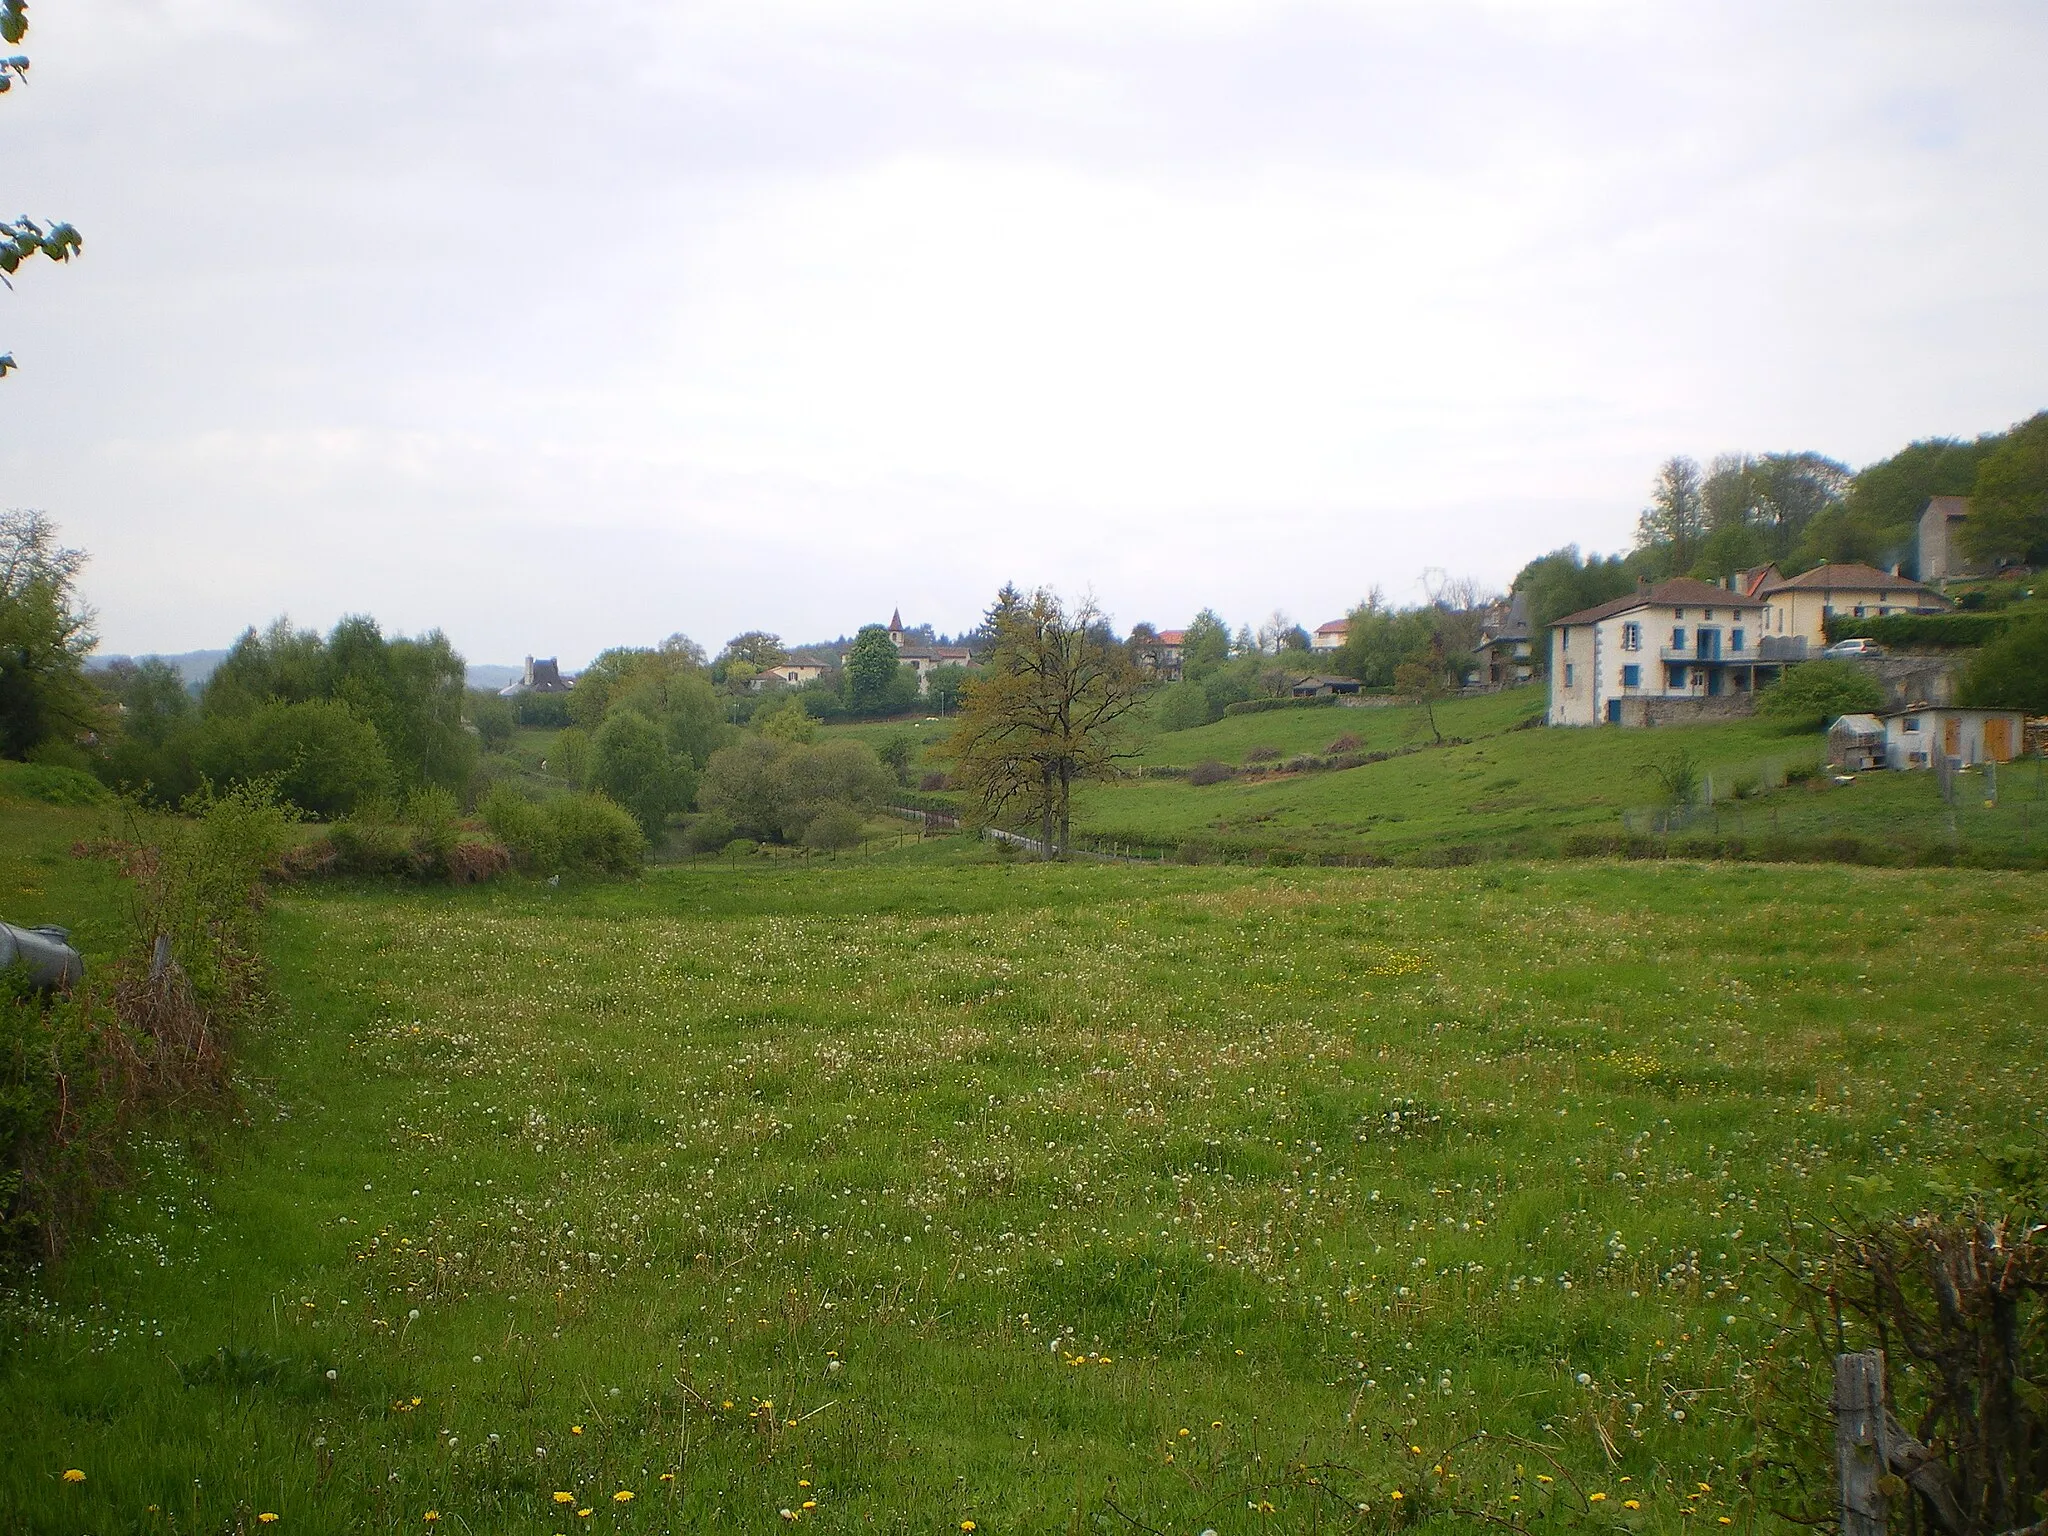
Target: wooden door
1998 739
1952 736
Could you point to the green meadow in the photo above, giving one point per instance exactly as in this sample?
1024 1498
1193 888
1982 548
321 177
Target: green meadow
939 1190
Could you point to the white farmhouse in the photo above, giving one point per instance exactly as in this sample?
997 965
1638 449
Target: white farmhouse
1679 648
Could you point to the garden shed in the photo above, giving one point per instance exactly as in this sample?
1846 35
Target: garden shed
1856 744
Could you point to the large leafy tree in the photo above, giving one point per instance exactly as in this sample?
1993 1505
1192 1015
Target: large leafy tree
873 673
24 239
1205 645
1673 526
1878 519
2008 519
1562 582
45 635
1043 713
2012 671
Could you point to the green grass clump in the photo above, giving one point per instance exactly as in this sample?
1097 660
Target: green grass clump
904 1193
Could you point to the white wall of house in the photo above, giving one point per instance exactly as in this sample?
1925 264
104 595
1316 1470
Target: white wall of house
1625 656
1916 739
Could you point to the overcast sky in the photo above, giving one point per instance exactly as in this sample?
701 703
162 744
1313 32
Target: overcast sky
561 327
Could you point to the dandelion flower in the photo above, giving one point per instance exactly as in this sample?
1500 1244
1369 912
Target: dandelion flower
266 1518
810 1503
563 1497
433 1515
1631 1503
966 1525
1595 1497
668 1477
74 1476
1724 1520
574 1429
1398 1494
582 1514
623 1496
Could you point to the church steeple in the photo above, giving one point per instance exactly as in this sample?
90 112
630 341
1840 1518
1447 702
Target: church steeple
896 624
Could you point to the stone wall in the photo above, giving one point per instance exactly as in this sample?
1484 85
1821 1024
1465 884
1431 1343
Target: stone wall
1649 709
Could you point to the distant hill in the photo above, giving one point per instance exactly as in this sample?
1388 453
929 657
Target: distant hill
490 676
193 666
197 666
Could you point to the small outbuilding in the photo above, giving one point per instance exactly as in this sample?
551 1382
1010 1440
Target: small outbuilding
1918 738
1320 687
1856 744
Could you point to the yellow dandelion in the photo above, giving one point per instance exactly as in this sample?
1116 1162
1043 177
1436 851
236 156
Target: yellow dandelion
623 1496
1596 1497
582 1514
562 1496
967 1525
1544 1477
803 1482
74 1476
1724 1520
1398 1494
266 1518
668 1477
1631 1503
574 1429
810 1503
433 1515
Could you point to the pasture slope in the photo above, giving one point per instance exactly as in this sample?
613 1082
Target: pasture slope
904 1195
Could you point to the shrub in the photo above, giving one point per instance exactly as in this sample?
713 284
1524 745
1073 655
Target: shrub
523 828
2012 671
1815 692
54 785
773 790
595 836
371 849
833 828
152 1030
631 764
708 832
472 863
570 755
741 847
1182 707
1920 631
1262 755
932 783
1209 773
322 756
547 710
1345 743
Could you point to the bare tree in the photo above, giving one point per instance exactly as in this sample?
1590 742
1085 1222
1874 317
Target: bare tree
1043 713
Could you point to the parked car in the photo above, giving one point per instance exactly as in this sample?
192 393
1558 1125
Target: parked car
1849 650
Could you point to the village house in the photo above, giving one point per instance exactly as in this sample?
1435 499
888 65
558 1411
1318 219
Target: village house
921 658
1916 738
1330 636
1161 655
1938 547
790 672
1801 605
1506 650
1679 649
543 676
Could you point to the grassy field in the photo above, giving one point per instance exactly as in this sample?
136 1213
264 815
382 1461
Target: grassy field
1513 789
935 1190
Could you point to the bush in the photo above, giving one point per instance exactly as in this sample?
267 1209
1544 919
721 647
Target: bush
1920 631
323 757
833 828
1262 755
1260 706
1209 773
1815 692
594 836
570 755
932 783
550 711
571 834
631 764
708 831
2012 671
78 1074
772 790
53 785
1182 707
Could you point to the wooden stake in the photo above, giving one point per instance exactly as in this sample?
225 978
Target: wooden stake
1861 1455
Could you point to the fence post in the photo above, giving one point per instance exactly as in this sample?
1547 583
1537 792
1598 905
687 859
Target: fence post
1860 1449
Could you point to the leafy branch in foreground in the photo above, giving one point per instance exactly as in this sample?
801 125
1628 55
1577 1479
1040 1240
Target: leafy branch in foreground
23 239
